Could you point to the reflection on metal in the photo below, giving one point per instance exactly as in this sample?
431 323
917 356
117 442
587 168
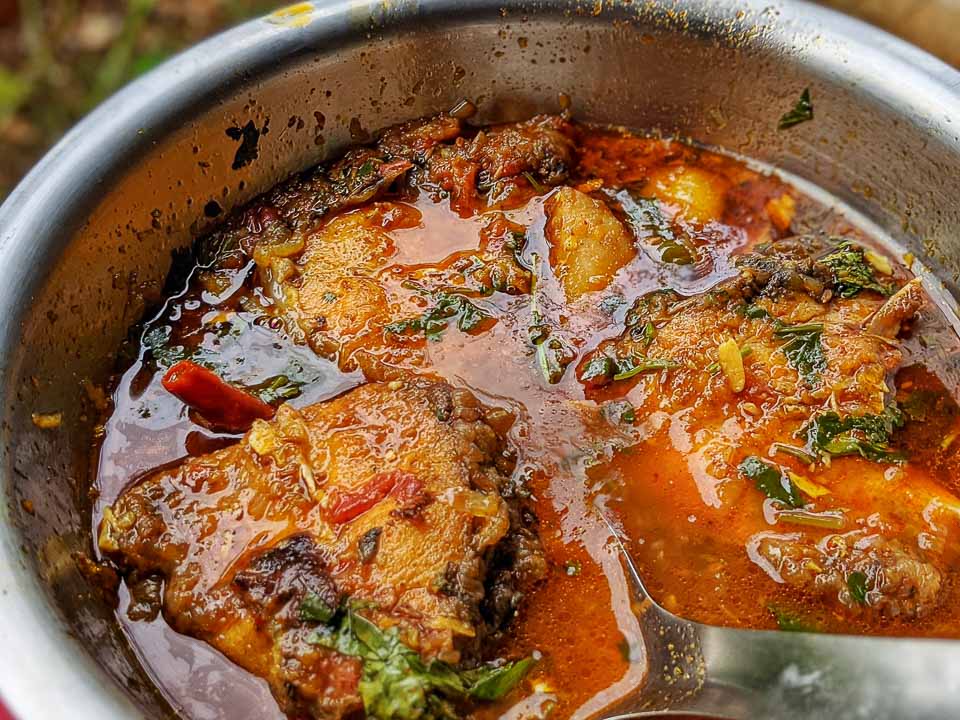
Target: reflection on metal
753 674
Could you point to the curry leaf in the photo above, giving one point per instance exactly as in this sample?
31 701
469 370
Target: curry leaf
771 481
802 112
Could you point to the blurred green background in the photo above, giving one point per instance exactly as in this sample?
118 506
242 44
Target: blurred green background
59 58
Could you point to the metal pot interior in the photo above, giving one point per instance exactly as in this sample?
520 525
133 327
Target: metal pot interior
87 238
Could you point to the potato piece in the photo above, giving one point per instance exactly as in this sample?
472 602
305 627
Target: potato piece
781 210
699 194
588 245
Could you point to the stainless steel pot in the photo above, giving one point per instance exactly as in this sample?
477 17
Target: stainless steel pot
88 234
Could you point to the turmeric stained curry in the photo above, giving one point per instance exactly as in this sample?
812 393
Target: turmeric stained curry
372 446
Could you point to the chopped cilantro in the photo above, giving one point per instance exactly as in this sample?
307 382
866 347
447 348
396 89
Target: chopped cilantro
857 584
365 170
646 221
803 349
434 321
315 609
156 341
851 272
790 621
864 435
755 312
601 369
396 683
774 483
598 370
277 389
632 367
802 112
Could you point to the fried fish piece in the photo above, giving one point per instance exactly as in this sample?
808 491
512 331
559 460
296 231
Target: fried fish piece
393 495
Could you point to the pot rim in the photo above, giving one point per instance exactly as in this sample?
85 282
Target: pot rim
41 676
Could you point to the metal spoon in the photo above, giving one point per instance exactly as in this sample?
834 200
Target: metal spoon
758 674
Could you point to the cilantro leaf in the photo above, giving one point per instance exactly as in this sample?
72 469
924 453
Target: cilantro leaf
493 682
771 481
277 389
857 584
647 222
396 684
315 609
435 321
802 112
851 272
803 349
632 367
790 621
603 369
864 435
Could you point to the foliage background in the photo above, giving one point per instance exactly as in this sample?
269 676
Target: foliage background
59 58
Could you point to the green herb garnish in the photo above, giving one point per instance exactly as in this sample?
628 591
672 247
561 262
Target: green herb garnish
632 367
553 354
434 321
865 435
396 684
755 312
598 370
794 451
646 220
774 483
277 389
801 112
537 187
602 369
851 272
315 609
803 349
156 340
789 621
857 584
365 170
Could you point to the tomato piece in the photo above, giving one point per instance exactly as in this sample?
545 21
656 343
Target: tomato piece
347 506
394 169
221 404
